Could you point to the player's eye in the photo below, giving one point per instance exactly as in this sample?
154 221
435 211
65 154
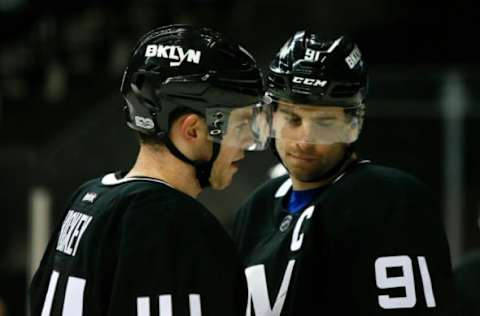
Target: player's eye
324 122
293 120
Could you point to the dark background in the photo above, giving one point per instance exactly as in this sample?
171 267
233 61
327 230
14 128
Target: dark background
60 108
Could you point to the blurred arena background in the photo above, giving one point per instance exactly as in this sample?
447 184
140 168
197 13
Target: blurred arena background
61 119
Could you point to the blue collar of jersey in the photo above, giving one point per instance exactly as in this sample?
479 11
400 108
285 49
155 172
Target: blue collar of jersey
298 200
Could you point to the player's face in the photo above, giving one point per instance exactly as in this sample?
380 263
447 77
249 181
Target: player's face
225 166
306 159
235 141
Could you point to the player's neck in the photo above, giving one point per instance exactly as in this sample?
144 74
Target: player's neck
299 185
165 166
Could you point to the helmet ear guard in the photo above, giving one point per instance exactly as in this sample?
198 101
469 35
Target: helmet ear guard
141 111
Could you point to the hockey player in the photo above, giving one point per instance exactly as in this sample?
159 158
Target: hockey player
338 235
138 242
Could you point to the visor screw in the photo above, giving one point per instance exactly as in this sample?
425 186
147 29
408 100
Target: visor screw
215 132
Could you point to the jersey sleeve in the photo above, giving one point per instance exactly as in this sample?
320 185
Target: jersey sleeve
399 256
175 259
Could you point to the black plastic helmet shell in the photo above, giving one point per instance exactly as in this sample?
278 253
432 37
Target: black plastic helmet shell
182 66
310 69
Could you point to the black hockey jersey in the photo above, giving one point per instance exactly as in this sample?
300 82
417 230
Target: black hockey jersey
136 246
371 243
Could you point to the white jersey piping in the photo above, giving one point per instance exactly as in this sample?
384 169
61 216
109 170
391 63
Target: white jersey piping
111 179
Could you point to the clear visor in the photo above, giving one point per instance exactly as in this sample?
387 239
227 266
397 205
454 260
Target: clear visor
247 127
313 124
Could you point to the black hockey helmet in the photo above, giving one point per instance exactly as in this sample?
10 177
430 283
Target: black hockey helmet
310 70
182 68
186 67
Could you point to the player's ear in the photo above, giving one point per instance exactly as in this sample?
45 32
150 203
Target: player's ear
188 127
192 127
189 134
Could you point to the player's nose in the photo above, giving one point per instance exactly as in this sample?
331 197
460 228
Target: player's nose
305 146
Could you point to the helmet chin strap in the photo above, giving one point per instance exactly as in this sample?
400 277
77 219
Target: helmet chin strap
203 169
340 165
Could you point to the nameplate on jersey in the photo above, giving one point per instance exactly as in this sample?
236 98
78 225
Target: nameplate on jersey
73 228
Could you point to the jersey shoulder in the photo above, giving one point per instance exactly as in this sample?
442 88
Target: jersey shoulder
153 212
380 176
166 204
376 183
136 193
371 195
145 202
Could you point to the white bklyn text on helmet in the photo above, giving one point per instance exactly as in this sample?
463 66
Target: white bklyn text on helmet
174 53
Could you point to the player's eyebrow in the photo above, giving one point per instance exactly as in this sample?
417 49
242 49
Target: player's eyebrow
324 118
289 112
242 114
246 115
